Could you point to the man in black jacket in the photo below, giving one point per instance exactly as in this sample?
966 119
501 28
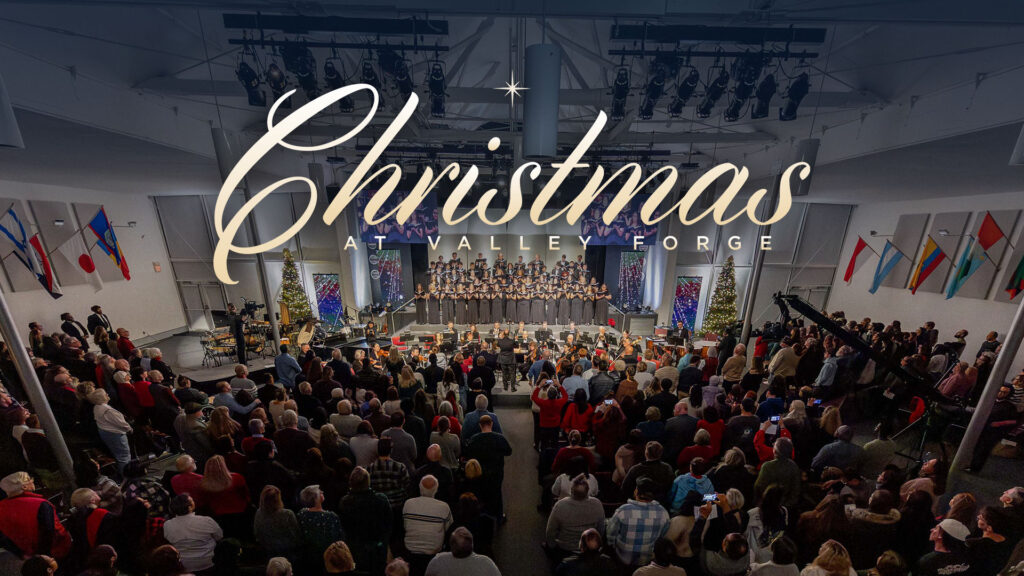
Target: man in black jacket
98 318
74 328
367 521
507 361
691 375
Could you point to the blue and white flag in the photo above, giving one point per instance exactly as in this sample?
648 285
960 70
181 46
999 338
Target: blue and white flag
886 262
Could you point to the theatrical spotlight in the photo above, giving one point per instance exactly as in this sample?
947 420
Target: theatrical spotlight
278 83
746 76
369 75
335 79
712 94
251 82
403 80
298 59
620 92
435 87
654 90
684 91
796 92
764 94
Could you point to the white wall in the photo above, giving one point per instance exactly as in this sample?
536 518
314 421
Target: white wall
149 304
976 315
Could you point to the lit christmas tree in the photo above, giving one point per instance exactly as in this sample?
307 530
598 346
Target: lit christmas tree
722 312
293 294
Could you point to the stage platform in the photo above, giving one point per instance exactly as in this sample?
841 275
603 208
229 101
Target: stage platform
184 352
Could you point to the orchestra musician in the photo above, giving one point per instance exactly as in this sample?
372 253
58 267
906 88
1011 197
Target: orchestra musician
471 335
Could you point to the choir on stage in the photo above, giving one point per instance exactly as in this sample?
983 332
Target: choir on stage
511 292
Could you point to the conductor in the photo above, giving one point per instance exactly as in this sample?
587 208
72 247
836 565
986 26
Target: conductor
507 361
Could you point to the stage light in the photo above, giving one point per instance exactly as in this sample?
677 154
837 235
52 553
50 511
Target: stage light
747 70
655 88
278 83
765 93
796 92
403 80
369 75
250 80
335 79
620 92
684 91
436 88
712 94
298 59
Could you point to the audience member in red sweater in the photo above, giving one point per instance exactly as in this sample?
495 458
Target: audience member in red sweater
124 345
186 481
579 414
701 448
550 400
226 495
575 449
715 426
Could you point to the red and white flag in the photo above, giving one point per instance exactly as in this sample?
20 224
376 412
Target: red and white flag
77 253
860 256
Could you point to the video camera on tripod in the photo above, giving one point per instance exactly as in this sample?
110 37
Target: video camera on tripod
249 307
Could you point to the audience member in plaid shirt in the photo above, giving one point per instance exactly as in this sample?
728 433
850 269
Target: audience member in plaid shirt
388 476
636 524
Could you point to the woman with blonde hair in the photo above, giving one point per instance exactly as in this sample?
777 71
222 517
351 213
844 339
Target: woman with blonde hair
222 424
226 496
338 559
276 528
830 421
113 428
407 383
832 560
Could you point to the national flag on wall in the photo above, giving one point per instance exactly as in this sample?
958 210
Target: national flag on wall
930 260
107 241
972 259
989 233
886 262
35 259
76 252
1016 284
860 256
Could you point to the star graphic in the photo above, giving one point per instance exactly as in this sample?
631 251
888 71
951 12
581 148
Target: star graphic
512 89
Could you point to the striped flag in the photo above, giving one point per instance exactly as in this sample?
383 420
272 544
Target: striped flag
930 260
972 259
107 241
30 252
886 262
860 256
1016 284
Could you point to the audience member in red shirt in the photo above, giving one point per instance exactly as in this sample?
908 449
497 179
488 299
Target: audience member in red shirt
124 345
186 481
573 450
227 496
701 448
715 426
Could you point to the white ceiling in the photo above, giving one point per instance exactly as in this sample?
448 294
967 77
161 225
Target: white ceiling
914 74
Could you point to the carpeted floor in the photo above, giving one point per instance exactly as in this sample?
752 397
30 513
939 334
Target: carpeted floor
517 545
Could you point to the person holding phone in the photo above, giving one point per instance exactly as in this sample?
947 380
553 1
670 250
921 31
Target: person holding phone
764 440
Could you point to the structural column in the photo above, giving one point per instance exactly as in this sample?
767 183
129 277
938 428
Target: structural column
35 390
226 148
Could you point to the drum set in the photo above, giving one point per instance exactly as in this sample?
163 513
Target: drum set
219 344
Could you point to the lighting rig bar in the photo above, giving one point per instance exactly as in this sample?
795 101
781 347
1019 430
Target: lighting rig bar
672 34
263 43
307 24
682 54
